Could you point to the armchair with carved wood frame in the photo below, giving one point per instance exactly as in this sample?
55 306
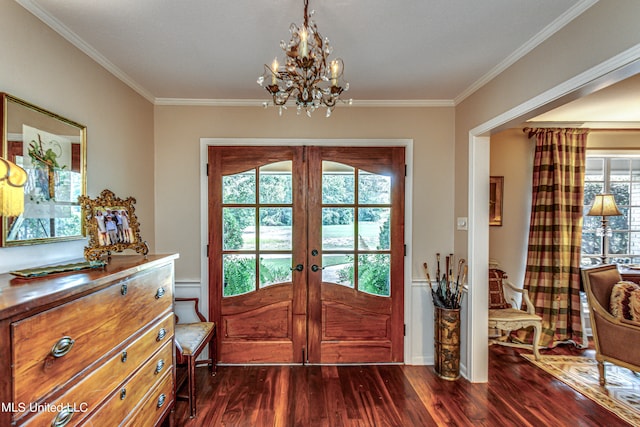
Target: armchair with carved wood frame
509 318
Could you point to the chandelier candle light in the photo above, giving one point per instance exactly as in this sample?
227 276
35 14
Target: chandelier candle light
307 74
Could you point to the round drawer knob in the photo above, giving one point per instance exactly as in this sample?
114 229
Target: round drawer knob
161 334
160 293
159 366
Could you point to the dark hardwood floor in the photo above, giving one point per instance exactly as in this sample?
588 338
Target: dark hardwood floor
517 394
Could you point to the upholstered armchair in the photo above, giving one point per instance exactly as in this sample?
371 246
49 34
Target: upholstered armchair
616 340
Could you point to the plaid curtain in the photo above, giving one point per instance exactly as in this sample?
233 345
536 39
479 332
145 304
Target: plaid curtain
555 233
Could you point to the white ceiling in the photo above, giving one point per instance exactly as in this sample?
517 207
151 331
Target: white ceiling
415 50
402 52
616 106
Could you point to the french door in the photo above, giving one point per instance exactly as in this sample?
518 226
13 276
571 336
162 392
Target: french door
306 253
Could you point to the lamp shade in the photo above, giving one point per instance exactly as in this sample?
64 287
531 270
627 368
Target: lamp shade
604 205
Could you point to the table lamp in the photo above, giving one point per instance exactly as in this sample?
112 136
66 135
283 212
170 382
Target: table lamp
604 206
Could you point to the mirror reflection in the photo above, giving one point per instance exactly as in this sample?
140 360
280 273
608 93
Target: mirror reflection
52 150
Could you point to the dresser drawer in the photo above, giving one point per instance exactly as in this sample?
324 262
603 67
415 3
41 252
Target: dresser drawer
83 331
158 401
122 403
85 396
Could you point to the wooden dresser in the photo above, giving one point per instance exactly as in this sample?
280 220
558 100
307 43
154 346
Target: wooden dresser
93 347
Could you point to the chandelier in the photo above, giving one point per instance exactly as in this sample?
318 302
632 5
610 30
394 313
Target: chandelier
307 74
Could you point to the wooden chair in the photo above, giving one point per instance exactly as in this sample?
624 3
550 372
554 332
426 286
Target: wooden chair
615 339
512 319
191 339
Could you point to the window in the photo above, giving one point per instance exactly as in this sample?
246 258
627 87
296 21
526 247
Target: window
619 176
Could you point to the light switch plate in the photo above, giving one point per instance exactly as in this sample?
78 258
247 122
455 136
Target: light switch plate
462 223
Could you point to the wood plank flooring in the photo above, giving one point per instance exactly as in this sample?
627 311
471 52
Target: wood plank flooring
517 394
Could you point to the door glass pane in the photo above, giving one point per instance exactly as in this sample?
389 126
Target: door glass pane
338 183
338 268
373 228
275 229
275 183
275 269
239 273
238 229
239 188
373 188
337 228
373 274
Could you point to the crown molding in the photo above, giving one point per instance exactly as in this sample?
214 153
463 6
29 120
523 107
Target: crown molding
631 126
260 102
536 40
73 38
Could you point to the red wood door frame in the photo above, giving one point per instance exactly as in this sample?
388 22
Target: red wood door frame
307 320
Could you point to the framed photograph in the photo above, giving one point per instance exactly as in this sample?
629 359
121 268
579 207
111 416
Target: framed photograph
496 185
112 226
52 150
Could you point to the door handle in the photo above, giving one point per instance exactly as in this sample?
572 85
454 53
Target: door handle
298 267
316 268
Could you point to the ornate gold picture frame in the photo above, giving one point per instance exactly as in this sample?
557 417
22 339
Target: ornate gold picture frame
112 226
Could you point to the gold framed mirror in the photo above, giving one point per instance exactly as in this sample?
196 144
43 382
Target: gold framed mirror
52 150
112 226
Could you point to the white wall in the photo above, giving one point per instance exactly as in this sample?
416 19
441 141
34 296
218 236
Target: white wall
512 157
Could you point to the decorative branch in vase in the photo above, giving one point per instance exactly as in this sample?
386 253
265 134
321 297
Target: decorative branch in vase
448 289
